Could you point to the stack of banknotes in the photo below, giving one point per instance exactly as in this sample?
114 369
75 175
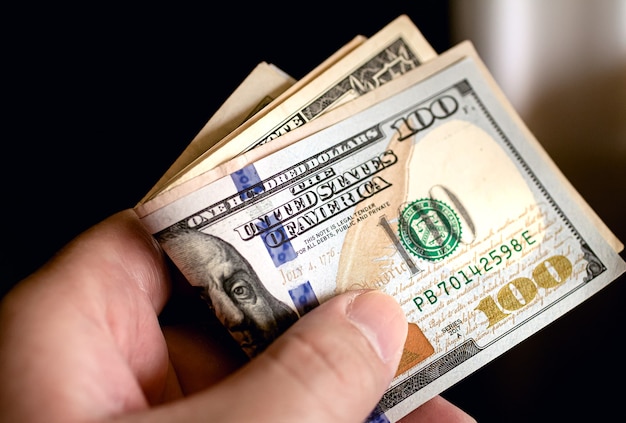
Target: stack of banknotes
391 167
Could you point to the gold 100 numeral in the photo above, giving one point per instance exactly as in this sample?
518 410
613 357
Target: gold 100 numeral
548 274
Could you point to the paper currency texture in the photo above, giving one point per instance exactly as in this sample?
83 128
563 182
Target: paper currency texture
437 195
390 53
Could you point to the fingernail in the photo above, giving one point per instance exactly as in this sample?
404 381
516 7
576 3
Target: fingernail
381 320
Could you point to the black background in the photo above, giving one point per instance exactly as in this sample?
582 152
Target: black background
100 101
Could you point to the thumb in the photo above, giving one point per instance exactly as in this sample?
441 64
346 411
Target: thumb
334 364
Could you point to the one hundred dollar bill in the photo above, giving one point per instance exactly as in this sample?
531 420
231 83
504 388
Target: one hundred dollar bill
433 192
262 90
396 49
264 84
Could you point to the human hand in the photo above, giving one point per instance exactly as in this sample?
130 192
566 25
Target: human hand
80 340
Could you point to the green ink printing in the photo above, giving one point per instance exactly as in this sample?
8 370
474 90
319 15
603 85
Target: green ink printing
429 229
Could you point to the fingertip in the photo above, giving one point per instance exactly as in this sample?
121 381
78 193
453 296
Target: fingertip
382 322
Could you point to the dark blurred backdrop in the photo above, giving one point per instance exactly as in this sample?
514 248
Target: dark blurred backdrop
99 101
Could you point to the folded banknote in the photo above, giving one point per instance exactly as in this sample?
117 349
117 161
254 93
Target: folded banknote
431 190
391 52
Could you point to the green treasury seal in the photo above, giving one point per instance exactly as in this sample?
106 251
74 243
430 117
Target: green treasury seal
429 229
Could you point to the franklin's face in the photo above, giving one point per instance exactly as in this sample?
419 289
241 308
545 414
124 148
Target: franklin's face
239 299
252 315
231 287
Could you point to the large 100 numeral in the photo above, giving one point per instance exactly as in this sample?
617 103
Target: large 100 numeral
519 292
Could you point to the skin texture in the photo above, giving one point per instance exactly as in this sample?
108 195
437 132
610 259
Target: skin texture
81 341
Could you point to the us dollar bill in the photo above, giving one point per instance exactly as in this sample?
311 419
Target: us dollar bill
265 83
390 53
432 191
262 90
